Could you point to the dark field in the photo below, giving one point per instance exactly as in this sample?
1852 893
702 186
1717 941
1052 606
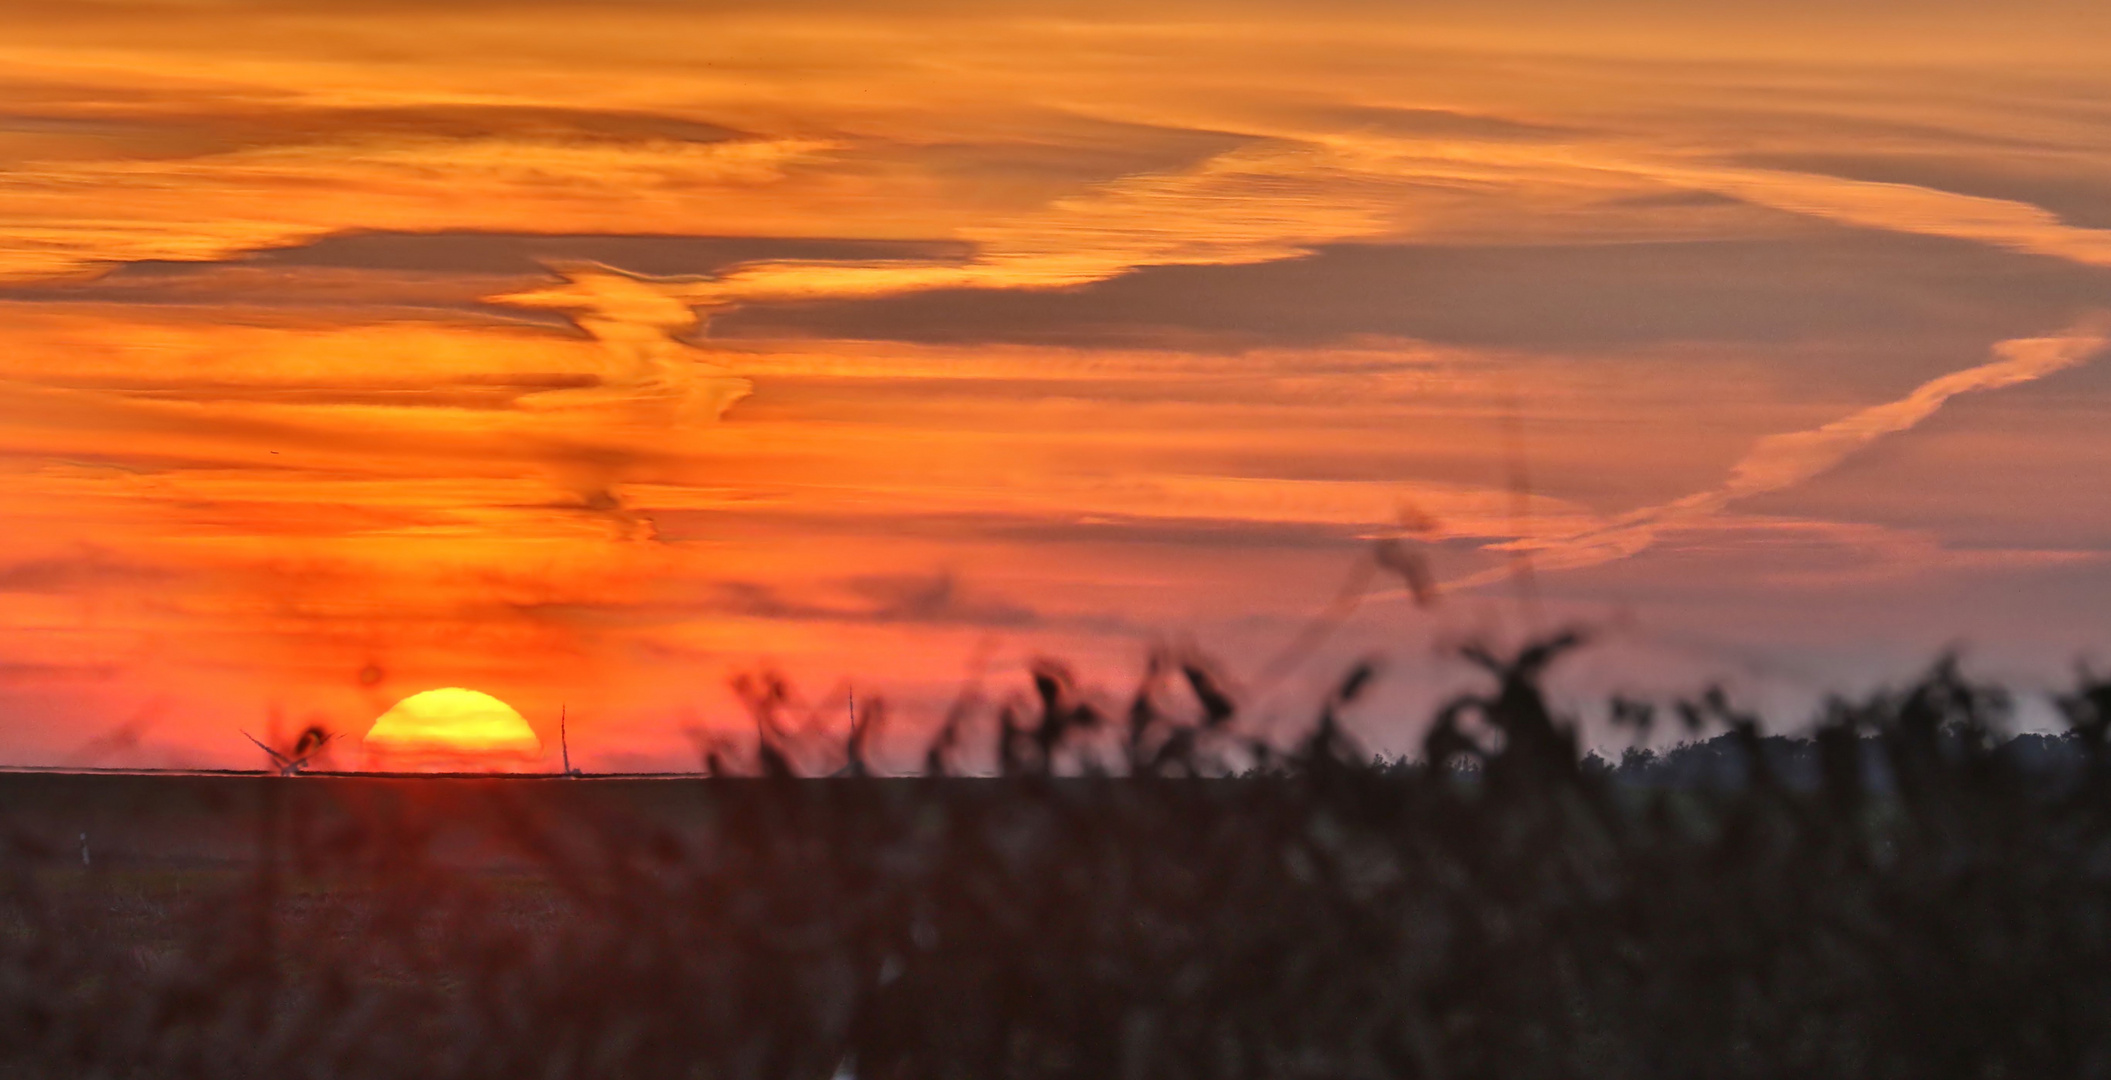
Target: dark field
1139 892
145 822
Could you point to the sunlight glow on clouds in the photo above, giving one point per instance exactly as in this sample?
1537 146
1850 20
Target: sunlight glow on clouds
588 354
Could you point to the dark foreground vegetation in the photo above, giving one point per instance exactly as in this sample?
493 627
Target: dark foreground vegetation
1142 893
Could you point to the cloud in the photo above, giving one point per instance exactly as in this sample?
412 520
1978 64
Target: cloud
1431 123
346 456
2076 188
272 195
1779 462
524 253
881 598
217 125
88 569
639 323
11 671
1253 204
1821 282
2003 223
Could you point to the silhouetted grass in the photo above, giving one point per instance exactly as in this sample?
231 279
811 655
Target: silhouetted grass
1144 892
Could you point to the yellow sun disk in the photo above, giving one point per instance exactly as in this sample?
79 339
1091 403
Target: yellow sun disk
452 720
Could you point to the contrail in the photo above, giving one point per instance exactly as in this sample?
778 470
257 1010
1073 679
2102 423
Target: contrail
1777 462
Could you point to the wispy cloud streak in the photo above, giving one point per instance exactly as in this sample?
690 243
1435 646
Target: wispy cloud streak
1909 208
1779 462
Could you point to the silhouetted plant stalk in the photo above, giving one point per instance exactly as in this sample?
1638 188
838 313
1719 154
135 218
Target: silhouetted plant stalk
1147 889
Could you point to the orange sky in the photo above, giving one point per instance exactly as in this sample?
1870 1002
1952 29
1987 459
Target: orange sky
587 354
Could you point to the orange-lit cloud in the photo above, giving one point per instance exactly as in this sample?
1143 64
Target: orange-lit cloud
1907 208
639 323
586 354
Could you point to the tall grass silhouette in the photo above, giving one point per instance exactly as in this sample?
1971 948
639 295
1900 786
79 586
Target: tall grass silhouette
1141 891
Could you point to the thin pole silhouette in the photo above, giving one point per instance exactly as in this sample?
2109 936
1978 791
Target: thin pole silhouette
291 764
564 739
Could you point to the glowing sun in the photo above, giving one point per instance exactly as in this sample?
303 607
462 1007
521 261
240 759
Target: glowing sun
451 728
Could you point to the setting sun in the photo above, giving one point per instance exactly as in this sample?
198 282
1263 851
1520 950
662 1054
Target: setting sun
451 728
